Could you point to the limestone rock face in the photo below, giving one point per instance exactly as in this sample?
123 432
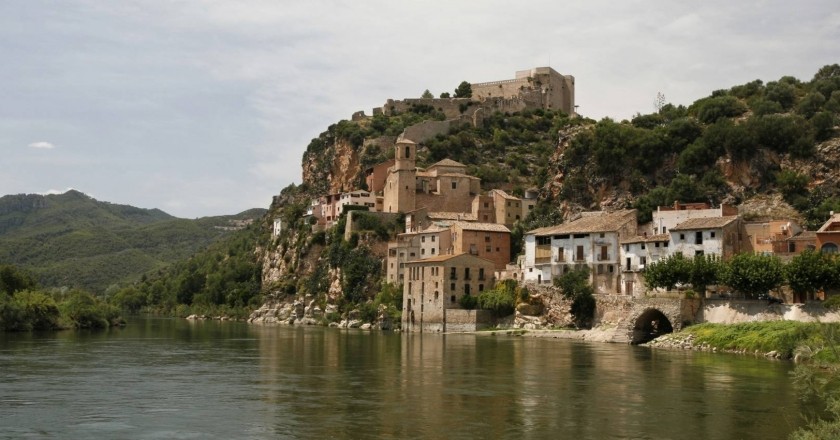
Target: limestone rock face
545 308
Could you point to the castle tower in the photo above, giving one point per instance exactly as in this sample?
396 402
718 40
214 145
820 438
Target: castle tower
401 184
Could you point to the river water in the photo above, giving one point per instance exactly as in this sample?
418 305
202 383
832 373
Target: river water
168 378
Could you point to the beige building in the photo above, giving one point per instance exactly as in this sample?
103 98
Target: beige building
772 237
486 240
435 285
540 87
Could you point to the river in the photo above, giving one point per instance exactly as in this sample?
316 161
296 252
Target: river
169 378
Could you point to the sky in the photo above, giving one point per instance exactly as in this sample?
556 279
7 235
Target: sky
205 107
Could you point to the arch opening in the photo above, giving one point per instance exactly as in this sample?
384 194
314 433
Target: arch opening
650 325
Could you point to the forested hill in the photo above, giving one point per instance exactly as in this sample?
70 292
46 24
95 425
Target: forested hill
74 240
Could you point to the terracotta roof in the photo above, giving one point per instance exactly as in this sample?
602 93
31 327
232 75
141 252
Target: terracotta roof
804 235
834 219
705 223
487 227
649 239
444 258
606 222
504 194
442 215
447 163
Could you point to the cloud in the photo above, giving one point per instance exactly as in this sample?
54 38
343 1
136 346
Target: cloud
42 145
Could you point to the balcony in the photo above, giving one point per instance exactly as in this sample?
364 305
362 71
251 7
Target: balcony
542 254
603 242
604 257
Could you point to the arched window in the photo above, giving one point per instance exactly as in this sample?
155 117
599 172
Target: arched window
829 248
408 152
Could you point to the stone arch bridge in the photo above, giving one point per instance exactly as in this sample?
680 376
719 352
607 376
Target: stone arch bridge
638 320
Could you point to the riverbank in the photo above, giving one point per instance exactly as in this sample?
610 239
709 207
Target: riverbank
771 339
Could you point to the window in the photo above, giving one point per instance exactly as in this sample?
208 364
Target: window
481 287
579 253
433 238
466 273
682 236
481 274
486 205
436 295
541 241
466 289
423 239
642 260
601 235
433 251
698 237
486 238
626 248
610 267
422 252
698 253
452 287
656 244
643 246
454 185
488 249
408 152
453 275
712 234
452 298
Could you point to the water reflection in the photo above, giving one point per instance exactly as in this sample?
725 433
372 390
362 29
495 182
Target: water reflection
341 384
162 378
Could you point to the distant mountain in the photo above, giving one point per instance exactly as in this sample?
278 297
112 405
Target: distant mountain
74 240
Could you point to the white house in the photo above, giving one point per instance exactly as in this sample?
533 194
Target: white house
591 240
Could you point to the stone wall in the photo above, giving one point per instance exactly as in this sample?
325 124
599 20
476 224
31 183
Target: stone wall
723 311
460 320
423 131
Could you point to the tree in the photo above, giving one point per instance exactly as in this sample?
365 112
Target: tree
464 90
13 279
427 95
667 273
659 102
574 285
501 300
705 270
752 274
809 272
444 95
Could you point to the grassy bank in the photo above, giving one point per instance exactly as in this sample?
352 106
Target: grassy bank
788 338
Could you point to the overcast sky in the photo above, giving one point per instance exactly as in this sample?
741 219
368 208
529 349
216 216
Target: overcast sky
205 107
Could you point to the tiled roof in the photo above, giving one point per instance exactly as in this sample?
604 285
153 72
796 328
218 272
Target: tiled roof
447 163
504 194
650 239
486 227
705 223
445 258
827 225
442 215
804 235
605 222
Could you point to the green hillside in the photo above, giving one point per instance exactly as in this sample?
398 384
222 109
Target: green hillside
74 240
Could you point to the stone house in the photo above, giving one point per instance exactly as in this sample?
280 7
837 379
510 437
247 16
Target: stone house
411 246
434 286
828 236
490 241
592 240
510 209
720 236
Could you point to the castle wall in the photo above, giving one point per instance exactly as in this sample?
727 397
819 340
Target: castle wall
426 130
